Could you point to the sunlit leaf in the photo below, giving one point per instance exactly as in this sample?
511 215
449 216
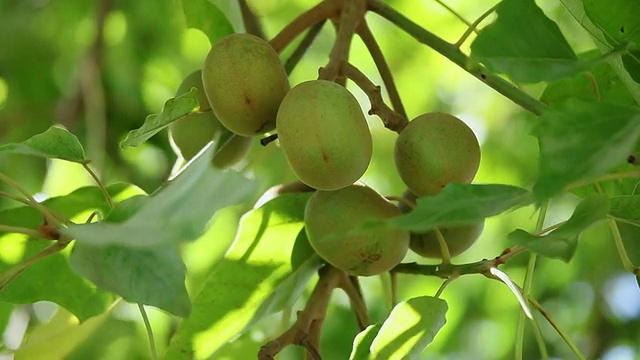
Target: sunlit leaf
173 109
52 278
254 279
57 338
561 243
526 45
411 326
177 212
56 143
461 204
204 15
580 140
362 343
601 80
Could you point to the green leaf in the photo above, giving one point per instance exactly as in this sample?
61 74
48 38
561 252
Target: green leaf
362 343
255 278
57 338
205 16
526 45
625 207
176 213
606 39
55 143
173 109
581 140
152 276
52 278
561 243
410 327
460 204
581 86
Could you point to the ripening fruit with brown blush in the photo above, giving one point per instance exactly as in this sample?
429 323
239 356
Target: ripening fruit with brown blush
324 135
436 149
245 82
330 215
458 239
191 133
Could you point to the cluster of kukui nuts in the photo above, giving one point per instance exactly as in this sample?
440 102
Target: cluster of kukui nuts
325 138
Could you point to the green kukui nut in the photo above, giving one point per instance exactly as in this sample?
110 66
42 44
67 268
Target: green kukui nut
458 239
436 149
232 151
330 215
245 82
324 135
191 133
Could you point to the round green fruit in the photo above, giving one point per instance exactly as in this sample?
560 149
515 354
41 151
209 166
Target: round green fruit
231 151
458 239
436 149
245 82
324 135
191 133
328 217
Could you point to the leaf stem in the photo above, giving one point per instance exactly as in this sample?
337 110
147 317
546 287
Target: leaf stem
147 326
31 201
21 230
473 26
555 325
444 248
453 12
391 119
100 185
364 32
454 54
617 237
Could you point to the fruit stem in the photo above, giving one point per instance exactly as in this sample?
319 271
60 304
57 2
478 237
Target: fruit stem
391 119
454 54
21 230
364 32
100 185
306 330
351 16
147 326
444 248
322 11
306 42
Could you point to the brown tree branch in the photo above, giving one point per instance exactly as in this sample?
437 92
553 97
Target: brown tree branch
324 10
250 20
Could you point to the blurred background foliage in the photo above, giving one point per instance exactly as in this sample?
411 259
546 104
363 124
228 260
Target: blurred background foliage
100 67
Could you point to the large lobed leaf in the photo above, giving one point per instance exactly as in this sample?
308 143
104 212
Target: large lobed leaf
581 140
261 274
52 279
176 213
526 45
561 243
56 143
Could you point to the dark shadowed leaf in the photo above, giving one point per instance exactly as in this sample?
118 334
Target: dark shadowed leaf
55 143
461 204
580 140
173 109
205 16
255 278
561 243
175 213
411 326
526 45
362 343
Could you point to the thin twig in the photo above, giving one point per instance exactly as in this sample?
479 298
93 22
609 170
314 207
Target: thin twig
11 274
302 47
383 67
320 12
391 119
250 20
454 54
21 230
32 202
100 185
444 248
473 26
